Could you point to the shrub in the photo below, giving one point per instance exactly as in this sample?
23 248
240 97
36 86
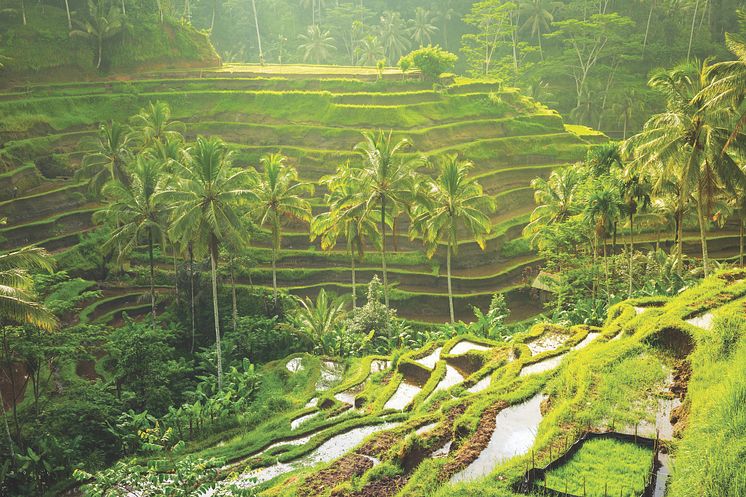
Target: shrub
432 61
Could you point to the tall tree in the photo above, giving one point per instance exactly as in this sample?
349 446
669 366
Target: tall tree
421 27
601 212
385 178
18 303
694 137
206 209
153 127
278 199
556 198
345 218
108 162
317 45
101 25
453 202
538 19
393 36
138 215
258 35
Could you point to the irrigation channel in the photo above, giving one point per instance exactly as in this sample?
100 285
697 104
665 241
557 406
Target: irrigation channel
515 431
335 447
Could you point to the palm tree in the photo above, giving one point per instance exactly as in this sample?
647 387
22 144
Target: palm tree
454 201
421 27
152 126
277 191
18 303
109 161
694 137
385 179
538 19
100 26
556 200
601 213
728 86
205 203
636 195
318 319
138 214
393 35
69 19
369 51
344 218
317 45
258 35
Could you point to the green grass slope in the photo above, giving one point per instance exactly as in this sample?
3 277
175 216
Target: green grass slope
42 50
672 367
314 115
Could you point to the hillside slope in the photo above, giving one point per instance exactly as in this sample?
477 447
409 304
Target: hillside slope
468 417
315 116
43 50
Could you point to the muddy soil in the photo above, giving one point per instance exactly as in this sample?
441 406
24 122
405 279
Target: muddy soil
344 469
469 452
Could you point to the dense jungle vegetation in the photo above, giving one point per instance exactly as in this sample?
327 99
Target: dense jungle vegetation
316 247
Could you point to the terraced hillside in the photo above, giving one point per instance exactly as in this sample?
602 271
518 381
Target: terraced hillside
313 115
471 416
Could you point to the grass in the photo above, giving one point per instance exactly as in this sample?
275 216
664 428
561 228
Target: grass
603 467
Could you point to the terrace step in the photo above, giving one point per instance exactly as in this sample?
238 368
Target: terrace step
42 204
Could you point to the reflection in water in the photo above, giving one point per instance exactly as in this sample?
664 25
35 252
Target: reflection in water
333 448
586 341
294 424
514 435
430 360
542 366
451 378
403 396
465 346
481 384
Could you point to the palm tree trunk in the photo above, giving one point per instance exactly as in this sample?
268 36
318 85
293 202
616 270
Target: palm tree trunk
541 48
383 251
450 289
647 27
354 289
152 278
216 316
176 276
606 272
233 296
680 239
100 52
691 34
191 293
258 36
7 431
631 249
703 239
69 19
124 9
274 272
740 243
23 11
160 10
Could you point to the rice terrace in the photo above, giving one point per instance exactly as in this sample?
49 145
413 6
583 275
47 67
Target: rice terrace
365 248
